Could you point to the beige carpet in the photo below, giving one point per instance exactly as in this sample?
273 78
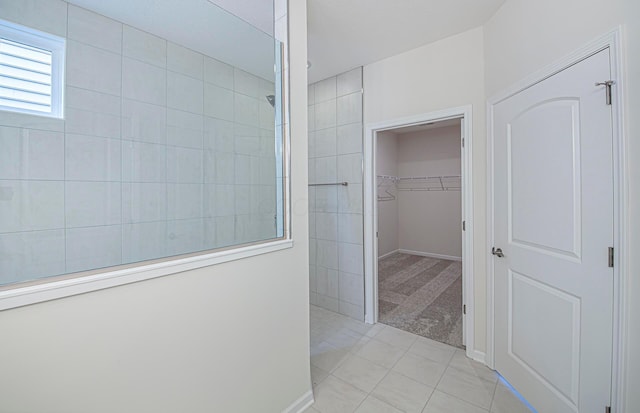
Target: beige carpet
421 295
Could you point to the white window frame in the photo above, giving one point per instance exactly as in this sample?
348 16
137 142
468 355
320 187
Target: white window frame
40 40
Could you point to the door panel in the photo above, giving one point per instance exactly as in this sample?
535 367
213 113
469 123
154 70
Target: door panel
553 209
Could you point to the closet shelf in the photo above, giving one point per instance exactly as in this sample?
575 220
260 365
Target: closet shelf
417 183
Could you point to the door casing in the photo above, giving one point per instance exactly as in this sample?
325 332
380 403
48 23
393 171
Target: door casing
612 41
370 215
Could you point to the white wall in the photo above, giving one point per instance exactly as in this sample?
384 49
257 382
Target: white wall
441 75
387 164
205 340
429 221
335 155
525 36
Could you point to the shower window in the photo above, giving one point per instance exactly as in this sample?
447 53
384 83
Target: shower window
172 148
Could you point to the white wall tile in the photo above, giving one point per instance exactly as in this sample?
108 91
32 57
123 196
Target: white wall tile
144 82
94 29
327 226
219 134
225 231
144 122
352 288
144 241
325 90
93 247
351 258
312 224
89 158
184 201
325 114
218 102
85 122
144 202
218 73
51 16
243 200
350 199
311 118
185 93
31 205
185 236
350 228
311 94
327 198
349 109
328 303
313 252
30 255
92 204
349 82
246 83
247 140
351 310
327 254
93 101
185 61
143 162
184 129
144 46
246 110
350 168
31 154
313 279
326 170
267 115
225 168
325 142
184 165
209 240
242 169
327 282
349 138
92 68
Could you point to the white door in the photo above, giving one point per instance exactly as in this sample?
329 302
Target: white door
553 221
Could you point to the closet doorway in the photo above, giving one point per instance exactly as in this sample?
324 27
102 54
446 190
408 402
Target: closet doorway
418 269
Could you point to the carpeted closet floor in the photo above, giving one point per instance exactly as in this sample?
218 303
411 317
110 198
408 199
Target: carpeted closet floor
421 295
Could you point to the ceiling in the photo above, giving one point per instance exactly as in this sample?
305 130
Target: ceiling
344 34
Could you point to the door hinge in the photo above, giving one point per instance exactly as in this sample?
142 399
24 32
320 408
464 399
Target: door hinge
607 409
610 257
376 234
464 225
464 309
608 85
463 142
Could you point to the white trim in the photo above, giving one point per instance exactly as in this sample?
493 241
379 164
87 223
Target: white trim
51 290
387 254
430 255
301 404
370 212
477 355
613 41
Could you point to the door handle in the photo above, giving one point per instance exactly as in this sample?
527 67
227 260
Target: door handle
497 252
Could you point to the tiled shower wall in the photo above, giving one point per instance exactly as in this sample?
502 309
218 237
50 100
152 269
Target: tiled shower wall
162 151
335 216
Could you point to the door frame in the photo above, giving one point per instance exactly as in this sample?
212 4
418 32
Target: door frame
371 214
612 41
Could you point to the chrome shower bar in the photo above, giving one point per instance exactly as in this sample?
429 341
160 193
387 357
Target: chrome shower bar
333 183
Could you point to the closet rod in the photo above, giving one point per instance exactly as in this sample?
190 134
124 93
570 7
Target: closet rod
333 183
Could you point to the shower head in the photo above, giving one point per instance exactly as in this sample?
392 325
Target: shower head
272 100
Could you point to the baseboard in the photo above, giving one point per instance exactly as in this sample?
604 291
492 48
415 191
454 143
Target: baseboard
387 254
430 255
478 356
301 404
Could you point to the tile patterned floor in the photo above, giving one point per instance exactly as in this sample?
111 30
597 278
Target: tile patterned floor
361 368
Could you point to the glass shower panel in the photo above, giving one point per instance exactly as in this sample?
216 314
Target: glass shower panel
171 142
